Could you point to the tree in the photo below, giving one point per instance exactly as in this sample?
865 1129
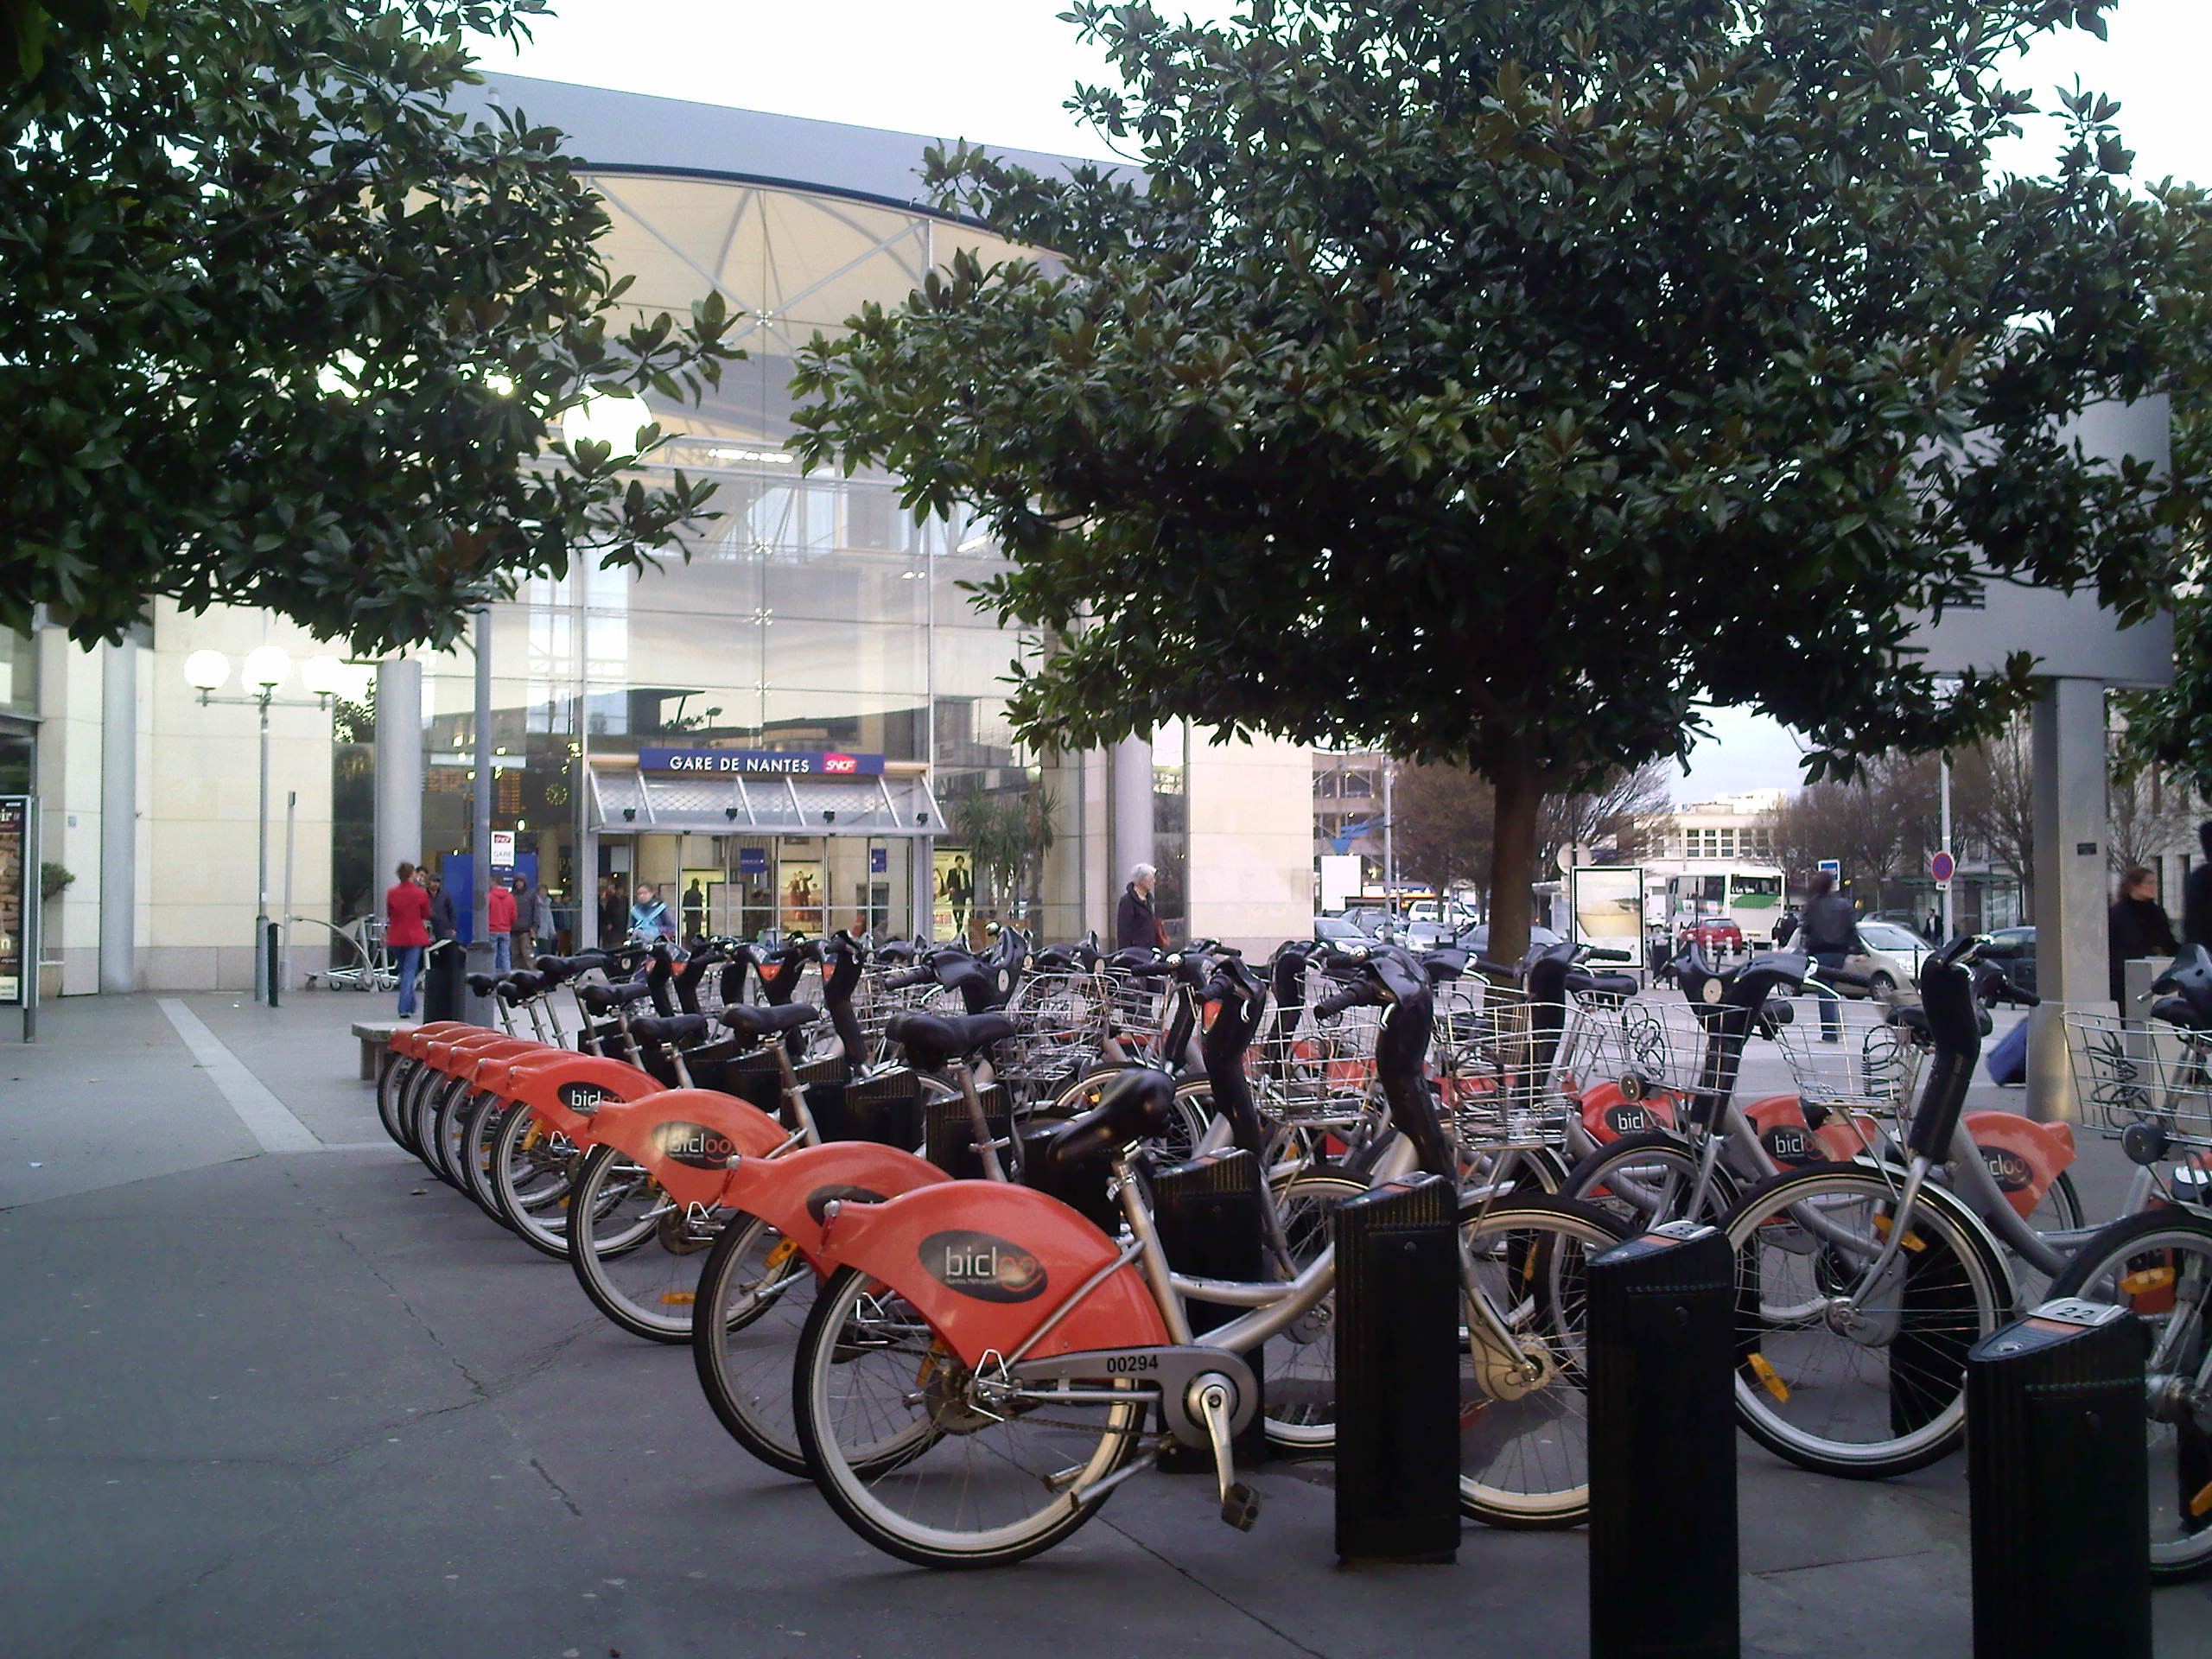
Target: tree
1441 826
1007 833
1548 371
1607 812
1992 797
280 329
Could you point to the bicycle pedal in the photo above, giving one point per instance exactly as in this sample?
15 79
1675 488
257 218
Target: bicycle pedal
1240 1507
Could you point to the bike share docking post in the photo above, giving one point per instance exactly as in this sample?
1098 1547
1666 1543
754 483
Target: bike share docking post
1211 1214
2056 1465
1662 1442
1398 1304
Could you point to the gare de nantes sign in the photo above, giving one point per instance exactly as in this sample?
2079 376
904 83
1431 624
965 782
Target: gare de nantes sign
760 763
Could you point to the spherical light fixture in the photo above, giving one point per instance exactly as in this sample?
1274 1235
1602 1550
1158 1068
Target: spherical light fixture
204 671
266 667
323 675
611 421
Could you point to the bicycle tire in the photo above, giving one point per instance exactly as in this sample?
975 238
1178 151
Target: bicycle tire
538 1213
479 1136
744 1357
448 1127
2132 1261
423 1126
392 1091
847 1330
1297 1410
1524 1460
1608 1178
1937 1297
644 1303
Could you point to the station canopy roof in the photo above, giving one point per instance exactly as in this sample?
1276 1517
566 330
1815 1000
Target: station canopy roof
626 801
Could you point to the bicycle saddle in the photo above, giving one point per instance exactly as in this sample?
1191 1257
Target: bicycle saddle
1602 984
1136 1105
605 999
669 1030
1446 962
1913 1019
930 1039
753 1023
1139 962
521 987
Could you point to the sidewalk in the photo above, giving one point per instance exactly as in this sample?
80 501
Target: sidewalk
311 1403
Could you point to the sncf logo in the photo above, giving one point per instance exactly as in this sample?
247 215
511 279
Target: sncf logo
988 1269
840 762
694 1144
582 1096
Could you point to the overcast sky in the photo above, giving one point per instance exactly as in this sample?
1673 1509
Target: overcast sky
998 71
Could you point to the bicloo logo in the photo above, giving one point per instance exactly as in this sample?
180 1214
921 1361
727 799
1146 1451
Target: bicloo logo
990 1268
1790 1144
840 762
2008 1169
582 1096
694 1144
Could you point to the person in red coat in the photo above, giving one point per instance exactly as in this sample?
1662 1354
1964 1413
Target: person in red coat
500 921
407 931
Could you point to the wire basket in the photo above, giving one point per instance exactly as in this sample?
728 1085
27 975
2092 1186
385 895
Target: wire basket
1510 1066
1309 1071
1138 1011
1059 1027
1874 1064
2135 1071
1645 1047
874 1002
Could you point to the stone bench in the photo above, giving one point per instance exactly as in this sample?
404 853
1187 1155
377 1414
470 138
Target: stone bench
376 1044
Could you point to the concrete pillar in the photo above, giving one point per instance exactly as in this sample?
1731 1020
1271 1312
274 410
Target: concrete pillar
1132 822
399 770
119 816
2067 741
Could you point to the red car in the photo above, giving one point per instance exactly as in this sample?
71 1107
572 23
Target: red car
1714 934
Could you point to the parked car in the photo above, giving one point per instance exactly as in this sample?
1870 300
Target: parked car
1889 954
2013 949
1335 931
1715 934
1475 940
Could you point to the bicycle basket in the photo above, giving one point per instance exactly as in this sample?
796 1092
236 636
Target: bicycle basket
2135 1071
1872 1064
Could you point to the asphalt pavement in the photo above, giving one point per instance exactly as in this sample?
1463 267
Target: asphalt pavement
270 1391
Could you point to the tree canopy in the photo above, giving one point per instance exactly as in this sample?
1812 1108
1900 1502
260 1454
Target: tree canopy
279 328
1503 381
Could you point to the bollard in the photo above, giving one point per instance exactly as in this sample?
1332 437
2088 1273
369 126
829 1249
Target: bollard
1397 1333
273 975
1662 1447
1210 1213
2058 1473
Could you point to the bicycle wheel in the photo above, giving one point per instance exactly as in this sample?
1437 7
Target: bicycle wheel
1194 1108
961 1477
2160 1264
634 1248
1849 1377
533 1168
1524 1458
480 1133
1299 1390
1645 1179
753 1296
392 1081
448 1135
422 1125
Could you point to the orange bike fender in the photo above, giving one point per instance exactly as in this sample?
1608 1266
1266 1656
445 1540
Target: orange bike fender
986 1264
411 1040
2023 1157
1609 1115
491 1069
684 1138
556 1091
451 1054
789 1192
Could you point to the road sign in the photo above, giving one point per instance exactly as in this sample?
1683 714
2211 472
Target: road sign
1832 867
1943 867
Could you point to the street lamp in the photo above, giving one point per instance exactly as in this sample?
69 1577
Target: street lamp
265 668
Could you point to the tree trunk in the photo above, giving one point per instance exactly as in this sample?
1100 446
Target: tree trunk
1520 792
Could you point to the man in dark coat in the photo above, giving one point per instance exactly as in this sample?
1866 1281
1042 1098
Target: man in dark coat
2196 894
2137 925
1830 933
1136 926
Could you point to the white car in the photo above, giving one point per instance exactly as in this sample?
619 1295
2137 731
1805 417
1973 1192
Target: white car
1888 954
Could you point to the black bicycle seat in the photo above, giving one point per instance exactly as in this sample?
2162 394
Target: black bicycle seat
1140 963
1134 1106
521 987
669 1030
2174 1010
930 1039
481 984
605 999
754 1024
1602 984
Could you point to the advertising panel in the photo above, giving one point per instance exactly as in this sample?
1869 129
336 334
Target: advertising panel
15 895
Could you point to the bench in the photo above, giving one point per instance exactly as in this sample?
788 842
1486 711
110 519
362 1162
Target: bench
376 1044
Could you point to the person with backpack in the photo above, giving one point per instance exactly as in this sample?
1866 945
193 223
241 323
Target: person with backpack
1830 929
2137 925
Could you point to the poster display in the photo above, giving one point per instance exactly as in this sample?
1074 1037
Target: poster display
1606 905
953 894
799 890
15 895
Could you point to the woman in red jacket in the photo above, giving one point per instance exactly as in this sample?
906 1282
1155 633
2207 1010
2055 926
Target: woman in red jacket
407 931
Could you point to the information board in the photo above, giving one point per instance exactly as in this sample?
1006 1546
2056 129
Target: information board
15 895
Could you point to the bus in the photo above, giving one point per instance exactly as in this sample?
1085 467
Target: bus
1749 896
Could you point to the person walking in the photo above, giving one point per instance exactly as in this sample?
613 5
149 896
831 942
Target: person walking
695 914
1786 929
444 924
613 914
529 916
1136 927
2196 894
406 931
1831 931
500 922
2137 925
650 922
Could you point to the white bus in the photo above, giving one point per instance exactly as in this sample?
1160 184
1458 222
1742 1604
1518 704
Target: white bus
1749 896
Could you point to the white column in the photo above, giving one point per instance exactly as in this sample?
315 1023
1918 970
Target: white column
2072 956
399 770
119 816
1131 830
